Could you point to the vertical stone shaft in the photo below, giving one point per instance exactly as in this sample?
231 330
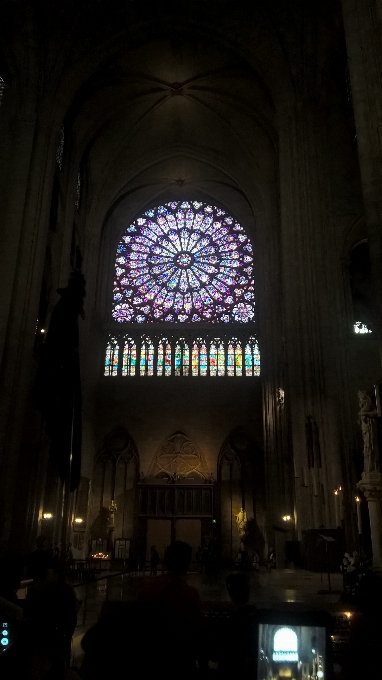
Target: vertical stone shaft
363 31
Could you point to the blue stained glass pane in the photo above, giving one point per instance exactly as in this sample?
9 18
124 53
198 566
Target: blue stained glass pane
184 248
203 359
213 359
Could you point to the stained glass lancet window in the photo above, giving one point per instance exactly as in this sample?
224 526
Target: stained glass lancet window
160 359
252 358
111 358
184 262
147 357
182 357
136 354
129 358
2 86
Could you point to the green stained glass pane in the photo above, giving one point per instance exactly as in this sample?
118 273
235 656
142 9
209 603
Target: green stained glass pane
221 360
230 360
248 360
256 360
142 365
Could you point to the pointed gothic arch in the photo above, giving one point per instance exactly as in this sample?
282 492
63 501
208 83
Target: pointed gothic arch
115 481
240 504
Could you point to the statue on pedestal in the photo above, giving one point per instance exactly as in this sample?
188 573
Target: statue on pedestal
368 420
241 521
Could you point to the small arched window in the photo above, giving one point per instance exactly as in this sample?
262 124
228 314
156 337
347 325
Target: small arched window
2 86
129 359
147 357
112 357
285 645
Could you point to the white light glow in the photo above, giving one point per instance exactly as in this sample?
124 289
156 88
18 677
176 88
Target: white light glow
47 515
285 645
360 327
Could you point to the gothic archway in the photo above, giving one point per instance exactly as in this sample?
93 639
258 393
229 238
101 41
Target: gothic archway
240 504
114 492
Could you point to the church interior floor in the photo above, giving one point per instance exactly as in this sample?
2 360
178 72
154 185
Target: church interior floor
296 590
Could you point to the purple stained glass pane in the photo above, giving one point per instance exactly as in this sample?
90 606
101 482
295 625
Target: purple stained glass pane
184 262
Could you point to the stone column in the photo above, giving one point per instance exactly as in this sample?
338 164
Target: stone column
371 486
311 289
363 32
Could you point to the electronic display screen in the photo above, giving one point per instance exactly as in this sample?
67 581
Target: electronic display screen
290 651
5 636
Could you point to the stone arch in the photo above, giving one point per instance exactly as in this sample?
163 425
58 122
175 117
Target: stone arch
240 505
179 459
114 490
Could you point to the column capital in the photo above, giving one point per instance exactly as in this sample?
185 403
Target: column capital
371 485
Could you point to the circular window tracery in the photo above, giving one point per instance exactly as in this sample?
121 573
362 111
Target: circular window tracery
184 262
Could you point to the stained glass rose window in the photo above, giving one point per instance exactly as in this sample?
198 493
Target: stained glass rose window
184 262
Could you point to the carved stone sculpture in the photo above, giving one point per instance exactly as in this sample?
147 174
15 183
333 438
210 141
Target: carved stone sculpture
241 521
368 422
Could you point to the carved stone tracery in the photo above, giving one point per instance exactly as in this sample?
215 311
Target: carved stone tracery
178 458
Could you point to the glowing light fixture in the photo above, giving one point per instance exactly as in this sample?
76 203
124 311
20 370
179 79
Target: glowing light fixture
78 520
47 515
360 327
287 518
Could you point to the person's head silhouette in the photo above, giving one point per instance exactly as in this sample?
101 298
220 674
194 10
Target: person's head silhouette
177 557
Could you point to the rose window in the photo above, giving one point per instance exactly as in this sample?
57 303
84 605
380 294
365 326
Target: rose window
184 262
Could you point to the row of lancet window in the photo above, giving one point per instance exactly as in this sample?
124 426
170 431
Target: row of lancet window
126 356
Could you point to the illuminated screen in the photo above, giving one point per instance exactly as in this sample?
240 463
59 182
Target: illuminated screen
4 636
291 651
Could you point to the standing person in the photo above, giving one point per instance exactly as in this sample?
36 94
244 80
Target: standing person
178 607
154 561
